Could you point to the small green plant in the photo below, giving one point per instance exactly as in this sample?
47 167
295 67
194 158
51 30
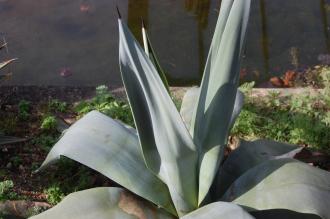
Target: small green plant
16 161
325 76
6 191
107 104
5 188
49 123
57 106
54 194
45 141
24 109
299 119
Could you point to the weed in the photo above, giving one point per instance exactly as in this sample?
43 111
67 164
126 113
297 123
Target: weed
24 110
6 191
16 161
49 123
54 194
8 124
107 104
298 119
57 106
45 141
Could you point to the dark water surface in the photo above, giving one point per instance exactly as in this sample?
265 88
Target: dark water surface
75 42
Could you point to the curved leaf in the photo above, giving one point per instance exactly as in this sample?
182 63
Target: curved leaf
4 45
108 147
246 156
189 102
167 146
282 214
238 105
210 123
7 62
103 203
153 57
219 210
283 184
9 139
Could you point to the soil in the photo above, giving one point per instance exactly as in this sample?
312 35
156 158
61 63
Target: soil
19 161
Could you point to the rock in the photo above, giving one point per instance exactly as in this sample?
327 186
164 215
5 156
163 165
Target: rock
9 165
22 209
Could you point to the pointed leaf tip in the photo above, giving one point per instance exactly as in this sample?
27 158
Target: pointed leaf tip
119 15
142 23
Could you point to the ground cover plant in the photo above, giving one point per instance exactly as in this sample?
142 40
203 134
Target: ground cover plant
6 139
41 128
298 119
183 172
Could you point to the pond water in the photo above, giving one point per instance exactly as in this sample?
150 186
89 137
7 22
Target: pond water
75 43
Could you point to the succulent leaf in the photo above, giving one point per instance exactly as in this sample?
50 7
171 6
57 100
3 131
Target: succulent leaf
283 184
189 102
167 146
246 156
108 147
7 62
210 123
103 203
9 139
153 57
218 210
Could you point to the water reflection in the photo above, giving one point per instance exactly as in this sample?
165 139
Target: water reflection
324 17
264 37
201 9
137 9
80 37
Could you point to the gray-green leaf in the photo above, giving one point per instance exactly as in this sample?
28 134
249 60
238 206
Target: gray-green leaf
219 210
103 203
283 184
189 103
246 156
7 62
210 123
167 146
108 147
9 139
153 57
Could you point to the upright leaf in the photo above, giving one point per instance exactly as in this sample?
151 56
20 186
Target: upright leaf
189 103
108 147
211 121
283 184
167 146
103 203
152 55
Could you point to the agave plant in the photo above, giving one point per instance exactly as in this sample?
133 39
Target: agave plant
6 62
174 168
3 138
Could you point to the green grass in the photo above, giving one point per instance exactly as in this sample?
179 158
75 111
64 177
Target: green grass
49 123
6 191
24 110
298 119
107 104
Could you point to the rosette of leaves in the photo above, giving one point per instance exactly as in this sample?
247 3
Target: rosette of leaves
174 168
5 63
3 138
